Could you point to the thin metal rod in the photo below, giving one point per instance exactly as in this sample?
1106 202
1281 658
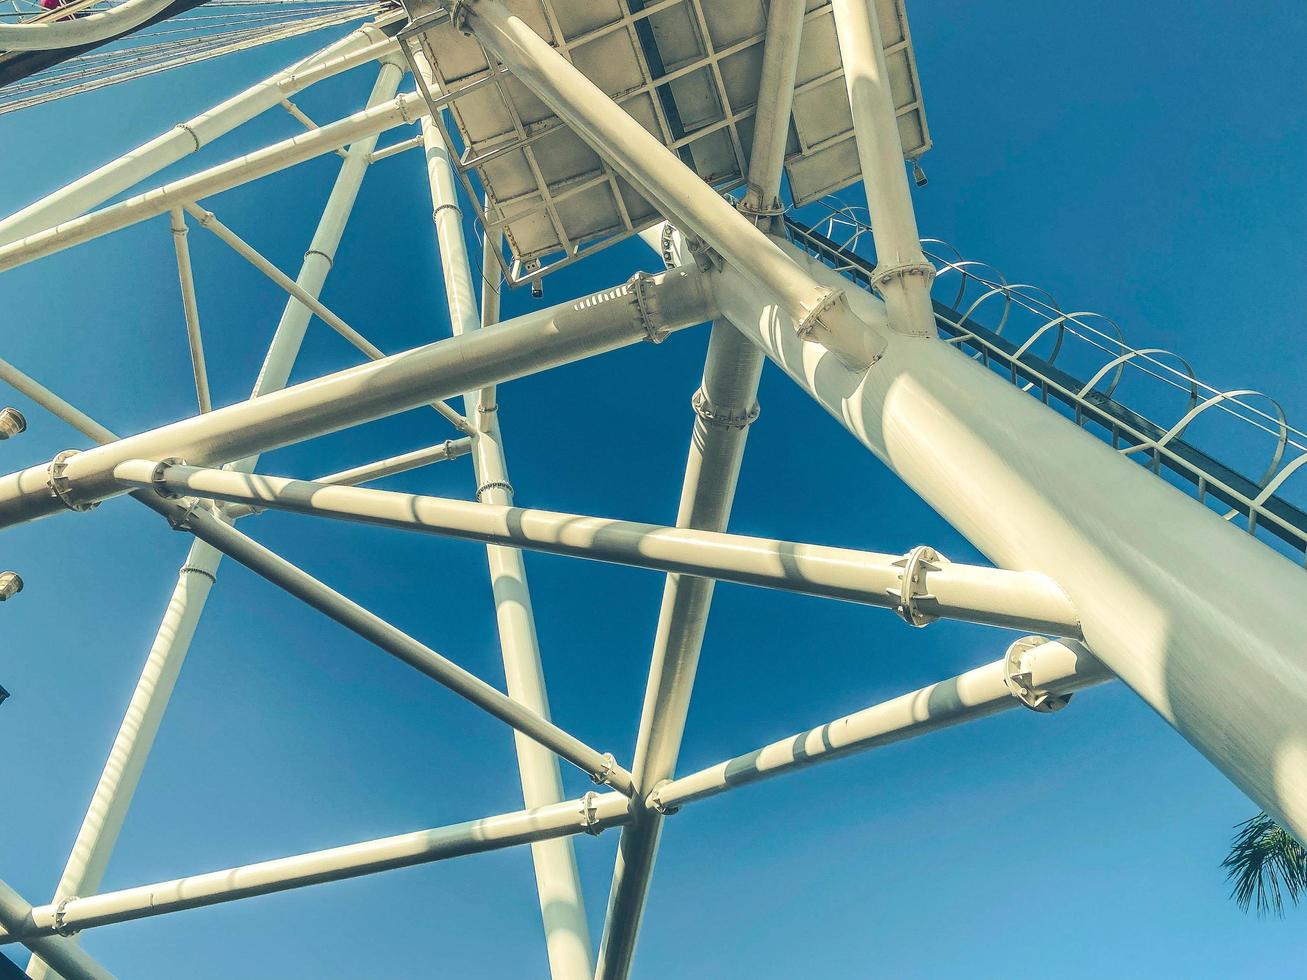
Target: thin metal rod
17 917
592 813
55 405
1056 669
724 406
191 310
394 149
404 110
558 882
134 739
994 596
645 307
363 45
398 644
250 254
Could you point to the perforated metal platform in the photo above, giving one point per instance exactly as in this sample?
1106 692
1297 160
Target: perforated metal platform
687 70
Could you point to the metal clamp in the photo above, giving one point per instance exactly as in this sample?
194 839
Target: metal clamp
912 583
885 273
647 305
656 800
61 925
60 486
605 774
759 215
497 485
157 474
729 420
812 318
590 814
1019 678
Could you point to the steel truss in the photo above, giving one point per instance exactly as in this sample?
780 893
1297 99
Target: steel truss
1072 548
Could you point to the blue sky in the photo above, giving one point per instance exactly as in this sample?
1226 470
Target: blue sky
1144 161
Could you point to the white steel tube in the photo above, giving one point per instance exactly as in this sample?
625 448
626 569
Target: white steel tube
360 46
680 193
1200 619
903 275
17 918
1059 668
89 29
398 644
404 110
135 737
242 248
994 596
191 311
724 406
592 813
646 306
558 883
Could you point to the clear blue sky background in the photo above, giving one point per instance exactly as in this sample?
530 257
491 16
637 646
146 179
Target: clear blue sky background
1145 160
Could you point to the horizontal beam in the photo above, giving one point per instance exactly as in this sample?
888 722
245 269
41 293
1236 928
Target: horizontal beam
198 521
646 307
591 813
1056 669
994 596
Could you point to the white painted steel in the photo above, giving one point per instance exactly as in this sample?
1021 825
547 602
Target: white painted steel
590 814
90 28
558 883
356 48
404 110
724 406
16 917
674 187
277 570
190 310
1201 620
997 597
540 340
902 273
140 725
1060 667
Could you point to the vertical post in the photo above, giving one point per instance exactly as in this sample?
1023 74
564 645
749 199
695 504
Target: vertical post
190 310
903 275
724 406
131 747
558 882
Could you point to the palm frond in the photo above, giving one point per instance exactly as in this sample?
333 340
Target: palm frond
1265 863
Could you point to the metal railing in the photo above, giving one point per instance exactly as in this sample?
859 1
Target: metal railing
1027 316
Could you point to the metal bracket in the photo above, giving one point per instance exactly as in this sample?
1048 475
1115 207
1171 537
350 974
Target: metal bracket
912 583
665 240
1018 678
590 814
647 305
61 488
60 924
728 420
656 801
606 773
805 327
886 273
497 484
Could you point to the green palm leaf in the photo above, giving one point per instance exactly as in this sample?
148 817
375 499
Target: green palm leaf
1265 863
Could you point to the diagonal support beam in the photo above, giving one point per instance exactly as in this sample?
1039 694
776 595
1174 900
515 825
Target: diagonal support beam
558 882
190 310
921 586
591 814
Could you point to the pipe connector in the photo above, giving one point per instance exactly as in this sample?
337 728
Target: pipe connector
1018 677
60 486
655 800
61 925
901 270
12 422
590 814
604 776
11 583
912 583
640 286
721 418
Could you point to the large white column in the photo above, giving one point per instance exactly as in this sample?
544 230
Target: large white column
1203 621
903 275
131 746
558 883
